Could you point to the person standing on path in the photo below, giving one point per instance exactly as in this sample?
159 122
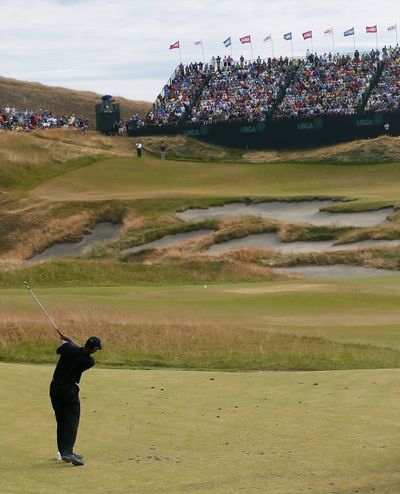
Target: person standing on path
64 392
139 147
163 151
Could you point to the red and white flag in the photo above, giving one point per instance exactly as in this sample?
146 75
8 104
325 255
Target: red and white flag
307 35
175 45
371 29
245 39
329 31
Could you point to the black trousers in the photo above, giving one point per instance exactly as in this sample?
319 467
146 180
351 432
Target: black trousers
67 408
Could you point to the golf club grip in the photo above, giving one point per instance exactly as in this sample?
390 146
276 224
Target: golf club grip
43 309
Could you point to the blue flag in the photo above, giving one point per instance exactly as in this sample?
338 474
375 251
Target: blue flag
349 32
228 42
287 36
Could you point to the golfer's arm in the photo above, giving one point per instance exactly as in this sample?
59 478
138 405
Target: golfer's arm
65 339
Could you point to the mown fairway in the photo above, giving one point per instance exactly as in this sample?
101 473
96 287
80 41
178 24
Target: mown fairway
148 177
222 433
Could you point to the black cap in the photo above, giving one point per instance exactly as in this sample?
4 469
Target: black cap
93 342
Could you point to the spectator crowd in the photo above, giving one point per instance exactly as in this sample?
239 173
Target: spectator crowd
176 97
27 120
328 85
241 91
385 97
317 85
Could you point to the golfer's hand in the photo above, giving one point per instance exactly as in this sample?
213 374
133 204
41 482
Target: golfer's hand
65 338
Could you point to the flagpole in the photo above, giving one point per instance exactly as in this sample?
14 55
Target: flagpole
272 48
333 43
376 34
312 45
202 49
291 42
251 50
180 58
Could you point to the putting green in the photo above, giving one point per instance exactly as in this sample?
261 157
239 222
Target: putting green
178 432
130 178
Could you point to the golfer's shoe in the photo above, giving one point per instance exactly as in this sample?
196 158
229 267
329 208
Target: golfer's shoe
72 458
78 456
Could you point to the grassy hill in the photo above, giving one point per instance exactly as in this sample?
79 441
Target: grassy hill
35 96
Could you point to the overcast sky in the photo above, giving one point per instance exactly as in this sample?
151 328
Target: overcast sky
121 47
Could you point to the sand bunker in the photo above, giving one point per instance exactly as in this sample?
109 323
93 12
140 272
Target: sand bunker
336 271
170 240
294 212
100 233
273 242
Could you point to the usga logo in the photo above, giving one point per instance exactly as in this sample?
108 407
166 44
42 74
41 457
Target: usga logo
192 132
364 122
248 130
305 126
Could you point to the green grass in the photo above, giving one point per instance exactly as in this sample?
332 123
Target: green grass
176 432
149 178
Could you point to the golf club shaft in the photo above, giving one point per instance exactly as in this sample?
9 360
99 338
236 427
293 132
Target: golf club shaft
43 309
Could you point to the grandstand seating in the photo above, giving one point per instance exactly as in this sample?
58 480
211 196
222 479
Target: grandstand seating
278 89
327 87
385 97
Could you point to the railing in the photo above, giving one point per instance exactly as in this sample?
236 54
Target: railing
374 81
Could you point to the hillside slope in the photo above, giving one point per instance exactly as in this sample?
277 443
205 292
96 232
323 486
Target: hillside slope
378 150
35 96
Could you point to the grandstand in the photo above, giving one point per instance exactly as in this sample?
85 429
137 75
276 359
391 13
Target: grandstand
280 101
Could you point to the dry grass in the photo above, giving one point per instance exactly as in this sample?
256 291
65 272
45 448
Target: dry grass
375 150
191 344
34 96
32 229
186 148
43 147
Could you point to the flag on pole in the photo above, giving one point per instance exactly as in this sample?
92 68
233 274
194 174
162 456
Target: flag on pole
287 36
227 42
329 31
268 38
349 32
175 45
371 29
307 35
392 28
198 42
245 39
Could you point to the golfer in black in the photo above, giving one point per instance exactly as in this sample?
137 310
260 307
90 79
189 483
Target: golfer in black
64 392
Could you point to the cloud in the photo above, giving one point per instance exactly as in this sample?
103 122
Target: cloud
124 44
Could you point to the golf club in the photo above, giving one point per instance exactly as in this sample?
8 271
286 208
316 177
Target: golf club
43 309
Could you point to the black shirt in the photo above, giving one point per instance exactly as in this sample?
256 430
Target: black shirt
73 361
